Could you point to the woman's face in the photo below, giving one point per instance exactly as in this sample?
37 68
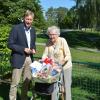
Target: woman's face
53 36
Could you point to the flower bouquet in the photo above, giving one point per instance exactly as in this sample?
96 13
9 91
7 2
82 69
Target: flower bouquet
46 70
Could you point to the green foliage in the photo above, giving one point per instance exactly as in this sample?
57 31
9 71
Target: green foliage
87 13
82 39
12 11
4 32
58 16
5 66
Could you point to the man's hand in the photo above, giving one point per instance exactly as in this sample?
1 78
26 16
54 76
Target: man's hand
27 50
33 51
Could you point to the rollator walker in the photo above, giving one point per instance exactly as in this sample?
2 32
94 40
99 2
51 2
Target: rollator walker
47 80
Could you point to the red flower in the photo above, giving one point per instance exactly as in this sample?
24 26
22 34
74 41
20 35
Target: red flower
48 61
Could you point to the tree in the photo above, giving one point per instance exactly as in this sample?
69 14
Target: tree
11 11
55 16
88 13
51 17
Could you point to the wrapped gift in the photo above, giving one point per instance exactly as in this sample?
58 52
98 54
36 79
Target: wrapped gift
35 67
45 70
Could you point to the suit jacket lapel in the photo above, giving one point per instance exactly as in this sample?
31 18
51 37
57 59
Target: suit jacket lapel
24 35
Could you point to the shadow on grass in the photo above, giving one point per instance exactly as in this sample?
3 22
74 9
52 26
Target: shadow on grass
84 39
4 91
79 38
42 36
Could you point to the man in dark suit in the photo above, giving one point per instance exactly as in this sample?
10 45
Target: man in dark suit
22 43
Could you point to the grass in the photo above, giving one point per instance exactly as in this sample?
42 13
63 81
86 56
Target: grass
77 55
86 82
82 39
39 51
39 40
83 94
85 56
77 39
86 78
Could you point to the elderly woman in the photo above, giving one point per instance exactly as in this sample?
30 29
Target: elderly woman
57 49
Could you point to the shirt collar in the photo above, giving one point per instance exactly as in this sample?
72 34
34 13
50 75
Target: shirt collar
27 29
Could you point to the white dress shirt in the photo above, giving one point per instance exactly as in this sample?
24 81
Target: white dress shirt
27 32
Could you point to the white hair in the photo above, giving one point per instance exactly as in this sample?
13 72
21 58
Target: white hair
53 28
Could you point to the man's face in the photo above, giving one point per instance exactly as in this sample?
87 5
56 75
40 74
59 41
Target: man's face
28 21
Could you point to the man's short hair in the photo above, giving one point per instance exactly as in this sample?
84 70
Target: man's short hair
28 12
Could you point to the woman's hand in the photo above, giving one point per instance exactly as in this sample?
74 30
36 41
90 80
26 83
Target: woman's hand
62 62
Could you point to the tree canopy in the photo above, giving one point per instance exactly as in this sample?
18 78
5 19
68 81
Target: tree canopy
11 11
88 13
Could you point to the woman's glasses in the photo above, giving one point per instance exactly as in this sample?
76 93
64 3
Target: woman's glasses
52 34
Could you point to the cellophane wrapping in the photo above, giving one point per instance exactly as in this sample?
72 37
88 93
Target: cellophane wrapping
46 70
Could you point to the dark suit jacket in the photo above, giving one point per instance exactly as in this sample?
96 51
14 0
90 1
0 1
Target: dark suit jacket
17 42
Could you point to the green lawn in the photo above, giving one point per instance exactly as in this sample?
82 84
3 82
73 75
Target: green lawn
86 78
77 39
85 56
77 55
